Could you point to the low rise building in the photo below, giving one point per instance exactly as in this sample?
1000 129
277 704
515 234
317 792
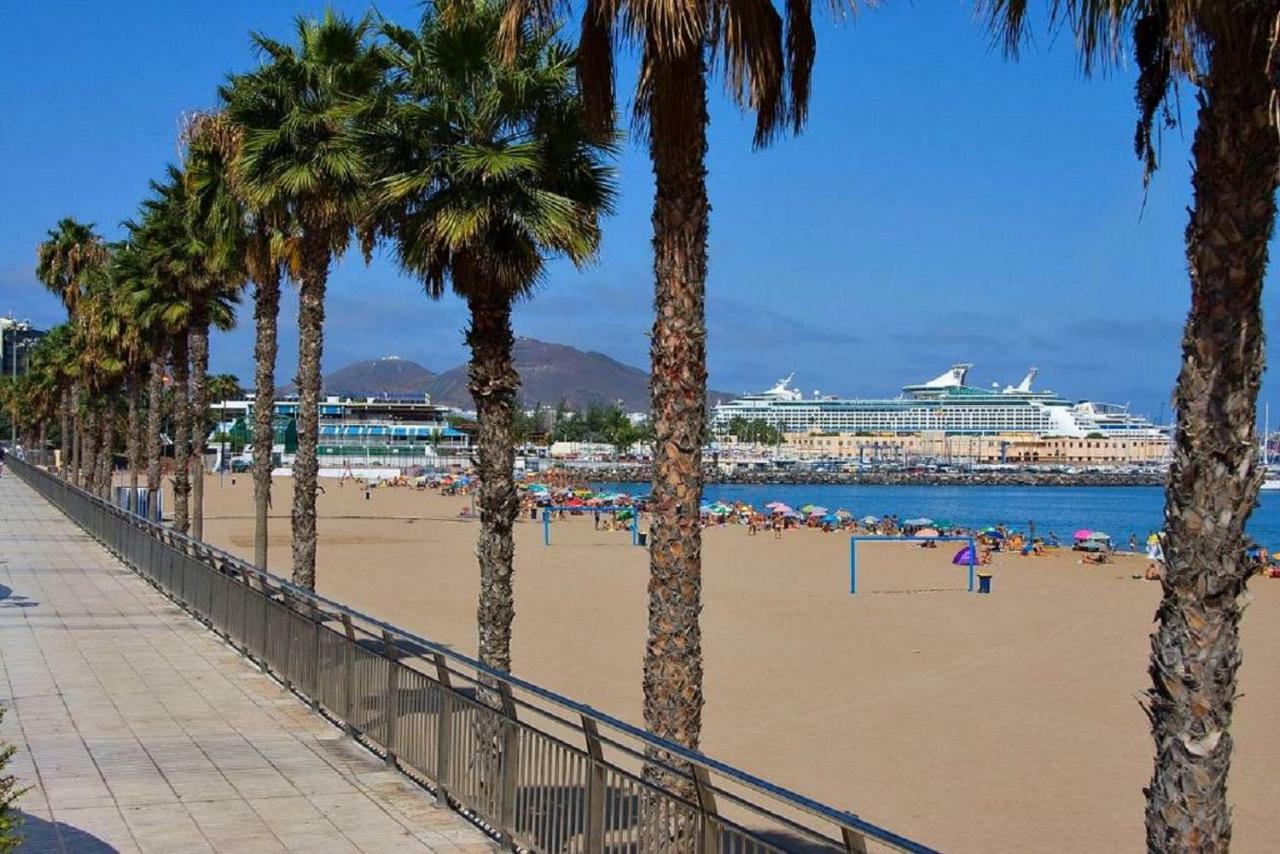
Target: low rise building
382 432
1008 448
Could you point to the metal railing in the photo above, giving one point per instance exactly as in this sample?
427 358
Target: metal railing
536 769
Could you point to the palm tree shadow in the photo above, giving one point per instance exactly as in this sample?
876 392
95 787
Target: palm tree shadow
43 835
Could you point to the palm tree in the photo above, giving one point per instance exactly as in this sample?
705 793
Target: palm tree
174 262
269 248
218 222
70 250
484 170
299 157
138 348
766 64
1227 49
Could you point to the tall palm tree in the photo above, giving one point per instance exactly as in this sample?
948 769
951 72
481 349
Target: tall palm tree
219 223
1227 50
175 264
484 169
54 360
766 58
69 251
138 347
299 157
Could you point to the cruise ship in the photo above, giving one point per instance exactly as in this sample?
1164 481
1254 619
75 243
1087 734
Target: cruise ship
946 404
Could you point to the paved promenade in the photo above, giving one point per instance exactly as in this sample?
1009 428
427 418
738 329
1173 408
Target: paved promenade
140 731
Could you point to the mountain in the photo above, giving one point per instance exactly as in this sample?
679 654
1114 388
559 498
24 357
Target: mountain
388 375
548 372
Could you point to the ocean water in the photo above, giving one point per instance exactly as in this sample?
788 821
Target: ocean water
1117 510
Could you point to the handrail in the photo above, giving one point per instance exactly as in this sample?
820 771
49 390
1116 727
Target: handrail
851 826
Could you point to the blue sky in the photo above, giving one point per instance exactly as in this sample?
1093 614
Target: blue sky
943 205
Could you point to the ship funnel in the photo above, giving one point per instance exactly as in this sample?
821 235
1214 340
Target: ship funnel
953 378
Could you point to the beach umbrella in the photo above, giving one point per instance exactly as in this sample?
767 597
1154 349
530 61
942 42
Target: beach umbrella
844 514
772 504
869 520
927 532
831 519
595 502
805 508
964 557
816 511
918 523
1082 534
1098 535
993 534
944 524
779 507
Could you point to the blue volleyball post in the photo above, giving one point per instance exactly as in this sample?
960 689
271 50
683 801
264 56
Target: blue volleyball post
583 509
853 554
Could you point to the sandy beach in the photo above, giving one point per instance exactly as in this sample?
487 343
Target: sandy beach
972 723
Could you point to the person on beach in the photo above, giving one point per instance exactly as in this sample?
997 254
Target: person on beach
1133 543
1 460
777 527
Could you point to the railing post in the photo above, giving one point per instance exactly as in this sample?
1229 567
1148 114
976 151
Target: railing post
391 704
286 671
444 729
348 676
317 626
596 790
510 749
710 842
854 842
265 655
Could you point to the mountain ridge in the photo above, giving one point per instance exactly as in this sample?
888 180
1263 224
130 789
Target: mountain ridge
549 373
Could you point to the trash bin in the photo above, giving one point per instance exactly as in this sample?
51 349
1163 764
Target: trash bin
642 539
984 582
533 513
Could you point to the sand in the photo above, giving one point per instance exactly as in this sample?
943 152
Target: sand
972 723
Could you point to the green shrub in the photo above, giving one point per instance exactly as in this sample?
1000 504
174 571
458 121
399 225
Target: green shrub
10 819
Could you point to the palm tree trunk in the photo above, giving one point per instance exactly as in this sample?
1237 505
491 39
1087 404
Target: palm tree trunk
89 448
311 288
199 417
266 315
77 435
65 438
493 384
181 435
673 655
155 414
133 436
106 455
1215 476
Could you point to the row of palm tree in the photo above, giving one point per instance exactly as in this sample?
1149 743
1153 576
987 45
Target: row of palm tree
475 146
473 168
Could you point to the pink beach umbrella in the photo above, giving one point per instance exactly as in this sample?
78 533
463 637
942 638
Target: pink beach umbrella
1083 534
779 507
